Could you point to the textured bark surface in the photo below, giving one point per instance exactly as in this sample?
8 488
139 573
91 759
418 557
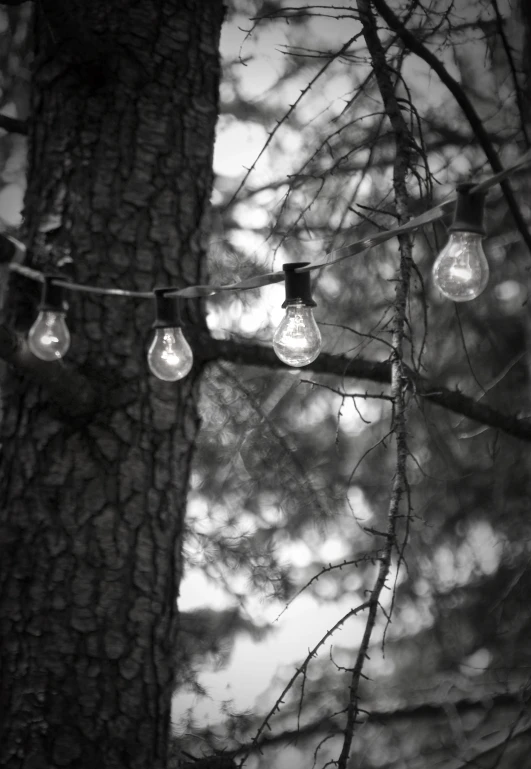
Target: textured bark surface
124 112
525 11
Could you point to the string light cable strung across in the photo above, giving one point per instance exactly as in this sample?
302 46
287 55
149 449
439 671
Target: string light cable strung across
460 272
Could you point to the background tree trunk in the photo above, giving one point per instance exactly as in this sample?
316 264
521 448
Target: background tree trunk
92 507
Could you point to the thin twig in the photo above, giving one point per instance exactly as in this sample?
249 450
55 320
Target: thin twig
358 248
291 109
367 558
255 743
209 349
418 48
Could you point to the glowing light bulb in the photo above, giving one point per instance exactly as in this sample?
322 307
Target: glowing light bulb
297 340
170 357
461 270
49 338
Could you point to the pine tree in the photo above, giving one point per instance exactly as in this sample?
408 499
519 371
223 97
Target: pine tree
95 474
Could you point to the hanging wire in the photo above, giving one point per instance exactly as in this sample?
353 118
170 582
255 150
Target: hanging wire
28 272
339 254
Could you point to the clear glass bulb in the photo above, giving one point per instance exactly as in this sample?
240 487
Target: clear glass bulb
461 270
49 338
297 340
170 356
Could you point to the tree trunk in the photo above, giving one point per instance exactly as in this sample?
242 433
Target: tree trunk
92 505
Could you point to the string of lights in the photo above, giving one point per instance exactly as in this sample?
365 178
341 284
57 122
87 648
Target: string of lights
460 272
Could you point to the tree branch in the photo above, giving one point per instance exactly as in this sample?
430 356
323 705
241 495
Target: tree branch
12 124
209 349
8 249
287 115
423 711
404 144
512 66
312 653
59 379
418 48
70 390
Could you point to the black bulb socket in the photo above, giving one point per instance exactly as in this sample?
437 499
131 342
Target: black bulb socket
298 288
468 214
52 295
167 314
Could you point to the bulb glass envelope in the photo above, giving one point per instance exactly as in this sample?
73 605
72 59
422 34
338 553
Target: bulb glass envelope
49 338
170 357
297 340
461 270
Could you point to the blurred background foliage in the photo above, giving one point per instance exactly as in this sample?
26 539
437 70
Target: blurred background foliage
15 69
289 476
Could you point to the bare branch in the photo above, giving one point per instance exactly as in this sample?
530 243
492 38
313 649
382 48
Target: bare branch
13 125
8 249
293 12
291 109
512 66
364 396
514 737
209 349
404 147
256 742
366 558
423 711
418 48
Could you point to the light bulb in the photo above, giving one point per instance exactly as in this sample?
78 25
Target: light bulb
169 356
461 270
49 338
297 340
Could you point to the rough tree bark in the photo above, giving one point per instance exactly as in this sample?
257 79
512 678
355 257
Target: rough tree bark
522 18
120 173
